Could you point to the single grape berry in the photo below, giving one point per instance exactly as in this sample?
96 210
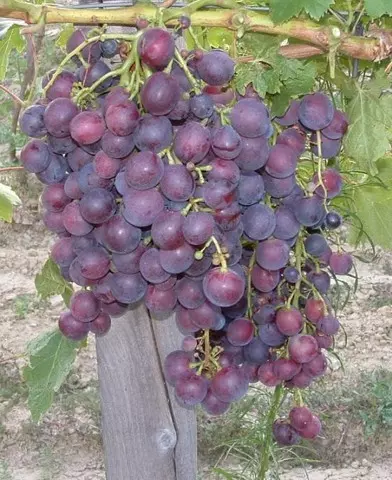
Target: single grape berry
184 21
291 274
156 48
284 433
333 220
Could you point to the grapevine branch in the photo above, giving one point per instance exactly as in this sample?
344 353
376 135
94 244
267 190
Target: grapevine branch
316 36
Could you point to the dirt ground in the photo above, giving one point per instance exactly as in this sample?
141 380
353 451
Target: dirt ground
67 444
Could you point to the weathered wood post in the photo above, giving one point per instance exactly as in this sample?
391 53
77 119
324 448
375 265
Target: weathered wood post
146 435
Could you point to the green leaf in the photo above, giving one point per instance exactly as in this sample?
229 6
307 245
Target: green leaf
5 208
373 206
12 40
367 137
283 10
220 38
253 73
377 8
271 73
66 32
10 194
50 282
293 87
8 198
51 357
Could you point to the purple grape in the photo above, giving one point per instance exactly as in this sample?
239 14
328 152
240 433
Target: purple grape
94 263
272 254
160 93
226 143
270 335
160 302
156 48
316 111
191 142
229 384
264 280
213 406
58 116
153 133
121 118
284 433
144 170
224 170
176 366
191 390
35 156
302 348
177 260
177 184
259 222
97 206
151 268
142 207
129 262
215 67
249 117
293 139
282 161
32 121
250 188
254 153
128 288
72 328
84 306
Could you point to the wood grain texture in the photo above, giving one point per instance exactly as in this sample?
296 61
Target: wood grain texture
138 429
168 338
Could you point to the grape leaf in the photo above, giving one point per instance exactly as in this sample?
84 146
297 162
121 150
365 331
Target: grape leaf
283 10
5 209
220 38
51 357
12 40
253 73
373 206
8 198
272 73
377 8
50 282
294 87
367 137
66 32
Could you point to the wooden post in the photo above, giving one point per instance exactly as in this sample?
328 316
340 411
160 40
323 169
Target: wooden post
146 434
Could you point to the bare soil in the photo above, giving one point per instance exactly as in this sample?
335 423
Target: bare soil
67 443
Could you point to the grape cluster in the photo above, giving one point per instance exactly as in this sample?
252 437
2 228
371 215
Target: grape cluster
185 195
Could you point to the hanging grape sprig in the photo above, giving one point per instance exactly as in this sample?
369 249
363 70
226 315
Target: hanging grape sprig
166 186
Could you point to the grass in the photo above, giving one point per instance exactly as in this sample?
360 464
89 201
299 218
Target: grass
374 404
380 301
233 443
24 304
5 473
